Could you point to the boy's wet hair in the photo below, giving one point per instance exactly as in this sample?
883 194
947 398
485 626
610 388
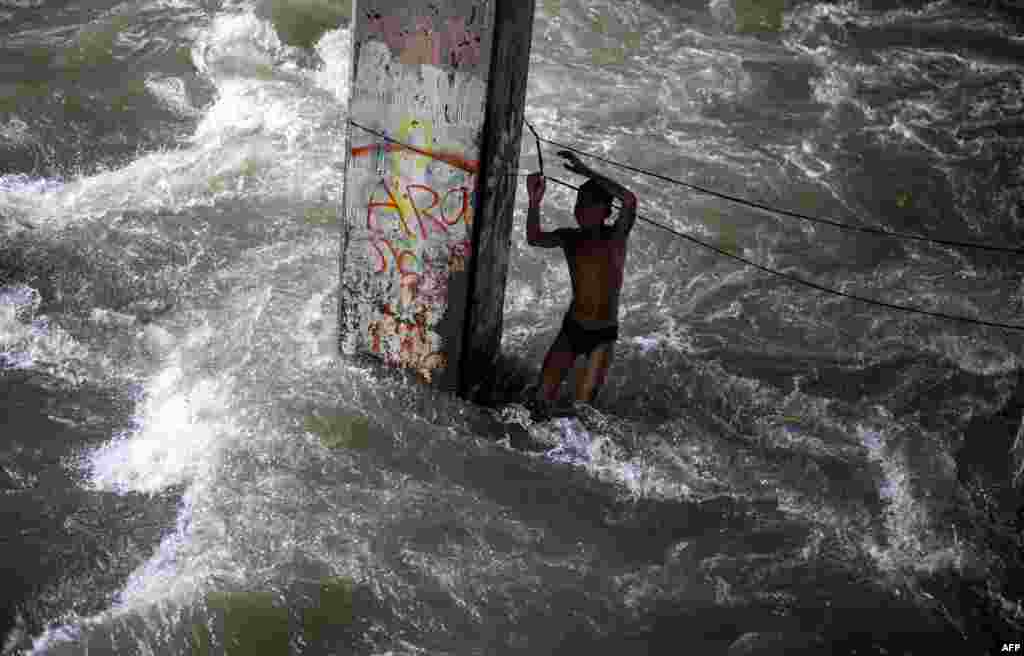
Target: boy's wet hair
595 194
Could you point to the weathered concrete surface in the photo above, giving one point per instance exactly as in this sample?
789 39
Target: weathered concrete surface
425 240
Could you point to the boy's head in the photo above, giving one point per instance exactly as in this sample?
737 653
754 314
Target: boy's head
593 204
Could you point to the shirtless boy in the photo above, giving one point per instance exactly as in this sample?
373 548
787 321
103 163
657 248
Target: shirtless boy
596 255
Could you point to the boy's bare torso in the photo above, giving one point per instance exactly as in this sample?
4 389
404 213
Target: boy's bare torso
596 261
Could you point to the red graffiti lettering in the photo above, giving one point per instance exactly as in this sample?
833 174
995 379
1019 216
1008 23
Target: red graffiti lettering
391 204
405 259
464 212
421 212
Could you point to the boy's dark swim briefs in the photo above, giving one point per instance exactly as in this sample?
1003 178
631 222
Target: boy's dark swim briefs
584 341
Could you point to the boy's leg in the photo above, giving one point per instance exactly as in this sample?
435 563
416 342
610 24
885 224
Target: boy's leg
557 364
590 378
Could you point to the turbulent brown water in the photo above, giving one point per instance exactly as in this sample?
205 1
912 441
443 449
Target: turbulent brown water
769 467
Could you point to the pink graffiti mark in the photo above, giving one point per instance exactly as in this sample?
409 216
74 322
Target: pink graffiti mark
432 286
422 45
460 249
390 30
462 46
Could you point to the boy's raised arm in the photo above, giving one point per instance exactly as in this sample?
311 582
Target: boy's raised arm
536 185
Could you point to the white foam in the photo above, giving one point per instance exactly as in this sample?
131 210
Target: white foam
165 576
262 136
28 340
20 183
171 91
872 441
236 45
980 358
648 343
110 317
600 456
334 76
185 424
16 131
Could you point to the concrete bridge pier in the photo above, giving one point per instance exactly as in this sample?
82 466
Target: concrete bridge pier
435 110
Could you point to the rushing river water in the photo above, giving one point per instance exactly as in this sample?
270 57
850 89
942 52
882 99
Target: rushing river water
770 469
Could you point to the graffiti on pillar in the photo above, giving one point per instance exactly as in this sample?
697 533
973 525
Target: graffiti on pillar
421 81
454 159
397 76
455 45
419 236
